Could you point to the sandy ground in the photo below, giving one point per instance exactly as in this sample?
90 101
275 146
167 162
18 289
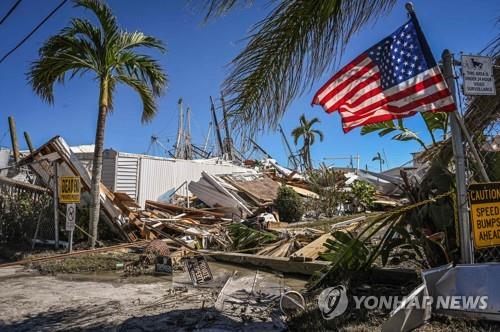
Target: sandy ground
31 302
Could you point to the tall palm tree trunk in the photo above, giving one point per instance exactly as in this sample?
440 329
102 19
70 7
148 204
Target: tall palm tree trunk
307 152
97 162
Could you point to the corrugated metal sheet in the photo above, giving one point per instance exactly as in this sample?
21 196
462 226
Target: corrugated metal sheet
4 160
108 172
126 178
159 176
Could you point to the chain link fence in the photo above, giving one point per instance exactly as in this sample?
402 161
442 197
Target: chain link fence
25 213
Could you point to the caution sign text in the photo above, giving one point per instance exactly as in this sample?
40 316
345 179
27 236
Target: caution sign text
485 213
69 189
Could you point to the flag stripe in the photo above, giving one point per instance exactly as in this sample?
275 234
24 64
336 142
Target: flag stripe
344 70
428 99
365 70
391 116
351 92
427 86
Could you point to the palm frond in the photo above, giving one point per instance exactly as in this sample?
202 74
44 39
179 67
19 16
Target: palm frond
145 93
319 133
104 15
83 28
389 125
216 8
129 40
145 68
297 133
59 56
287 52
314 121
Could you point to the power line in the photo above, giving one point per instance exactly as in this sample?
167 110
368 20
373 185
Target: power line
33 31
10 11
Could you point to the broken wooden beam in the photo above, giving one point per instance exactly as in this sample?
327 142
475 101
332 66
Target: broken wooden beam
281 264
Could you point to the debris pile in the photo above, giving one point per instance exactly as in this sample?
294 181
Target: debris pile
223 212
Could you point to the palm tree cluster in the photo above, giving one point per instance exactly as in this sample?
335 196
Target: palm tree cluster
110 55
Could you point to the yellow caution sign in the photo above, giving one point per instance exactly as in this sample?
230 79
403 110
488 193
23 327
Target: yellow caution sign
69 189
484 201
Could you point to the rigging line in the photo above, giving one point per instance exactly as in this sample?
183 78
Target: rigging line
33 31
10 11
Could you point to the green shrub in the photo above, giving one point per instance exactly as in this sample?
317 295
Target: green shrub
289 204
362 195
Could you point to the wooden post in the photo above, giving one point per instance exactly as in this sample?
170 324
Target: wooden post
28 141
13 139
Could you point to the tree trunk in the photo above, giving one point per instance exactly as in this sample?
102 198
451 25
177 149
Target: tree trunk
307 146
95 201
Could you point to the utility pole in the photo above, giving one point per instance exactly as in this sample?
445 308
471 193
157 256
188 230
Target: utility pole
178 143
229 140
458 152
13 139
187 141
217 128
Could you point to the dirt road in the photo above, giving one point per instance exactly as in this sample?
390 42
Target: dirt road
31 302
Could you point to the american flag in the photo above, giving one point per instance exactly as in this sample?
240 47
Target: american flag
396 78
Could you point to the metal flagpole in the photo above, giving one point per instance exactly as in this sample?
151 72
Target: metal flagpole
458 152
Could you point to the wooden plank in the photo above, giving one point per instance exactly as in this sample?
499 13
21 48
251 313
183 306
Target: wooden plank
24 185
304 192
180 209
313 249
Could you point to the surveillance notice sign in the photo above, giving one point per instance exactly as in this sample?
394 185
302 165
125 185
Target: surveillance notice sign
484 201
477 72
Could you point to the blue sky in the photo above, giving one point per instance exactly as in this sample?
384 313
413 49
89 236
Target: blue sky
196 63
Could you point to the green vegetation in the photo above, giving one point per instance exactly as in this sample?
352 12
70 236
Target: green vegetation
289 204
246 238
85 263
362 195
434 122
329 185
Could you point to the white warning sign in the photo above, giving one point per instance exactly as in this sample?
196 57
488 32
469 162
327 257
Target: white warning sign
478 75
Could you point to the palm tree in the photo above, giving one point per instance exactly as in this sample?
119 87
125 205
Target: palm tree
288 51
109 54
378 157
308 134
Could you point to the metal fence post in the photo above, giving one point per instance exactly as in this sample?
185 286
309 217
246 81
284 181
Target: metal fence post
56 199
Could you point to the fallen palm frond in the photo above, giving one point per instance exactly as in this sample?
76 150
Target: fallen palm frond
349 253
245 237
